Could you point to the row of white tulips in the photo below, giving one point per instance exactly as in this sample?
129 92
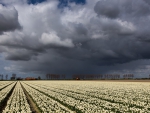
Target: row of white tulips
83 104
99 96
17 102
4 92
45 103
4 84
93 97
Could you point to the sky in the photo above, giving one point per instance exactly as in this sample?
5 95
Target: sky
74 37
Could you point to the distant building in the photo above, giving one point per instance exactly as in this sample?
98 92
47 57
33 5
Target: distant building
30 78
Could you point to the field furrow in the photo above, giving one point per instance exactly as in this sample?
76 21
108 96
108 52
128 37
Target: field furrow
17 101
100 96
5 94
45 103
74 97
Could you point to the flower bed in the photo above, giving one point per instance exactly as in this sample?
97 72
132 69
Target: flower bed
97 96
17 101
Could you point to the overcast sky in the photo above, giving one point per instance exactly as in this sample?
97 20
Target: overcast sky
74 37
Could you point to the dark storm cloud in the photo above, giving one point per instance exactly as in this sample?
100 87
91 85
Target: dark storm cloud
80 29
8 19
117 8
21 57
147 1
107 8
16 54
97 37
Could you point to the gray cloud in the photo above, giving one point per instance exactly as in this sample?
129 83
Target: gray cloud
20 54
107 8
126 8
8 19
98 37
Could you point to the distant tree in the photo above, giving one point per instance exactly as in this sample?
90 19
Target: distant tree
63 76
39 78
50 76
6 77
118 76
2 76
47 76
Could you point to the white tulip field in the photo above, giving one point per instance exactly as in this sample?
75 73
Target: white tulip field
17 101
75 97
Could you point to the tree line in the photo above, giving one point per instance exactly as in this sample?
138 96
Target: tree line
89 76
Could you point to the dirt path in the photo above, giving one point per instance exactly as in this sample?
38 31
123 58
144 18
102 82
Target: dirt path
33 106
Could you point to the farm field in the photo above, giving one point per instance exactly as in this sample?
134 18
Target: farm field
74 97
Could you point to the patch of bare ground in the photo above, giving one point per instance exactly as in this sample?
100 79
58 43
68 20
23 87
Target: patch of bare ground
33 106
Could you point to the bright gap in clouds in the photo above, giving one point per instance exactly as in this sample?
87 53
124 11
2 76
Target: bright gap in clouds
62 3
76 1
35 1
